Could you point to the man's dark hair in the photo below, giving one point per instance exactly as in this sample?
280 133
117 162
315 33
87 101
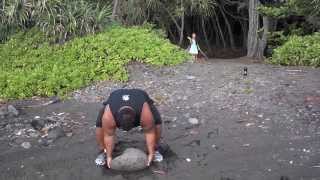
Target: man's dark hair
126 118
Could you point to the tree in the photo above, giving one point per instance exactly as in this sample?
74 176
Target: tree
257 38
114 10
176 12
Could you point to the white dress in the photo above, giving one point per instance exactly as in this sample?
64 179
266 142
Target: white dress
193 48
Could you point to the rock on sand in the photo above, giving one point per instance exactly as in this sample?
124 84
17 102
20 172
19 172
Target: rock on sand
131 159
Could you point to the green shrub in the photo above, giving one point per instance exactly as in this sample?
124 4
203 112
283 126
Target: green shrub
276 38
299 51
32 67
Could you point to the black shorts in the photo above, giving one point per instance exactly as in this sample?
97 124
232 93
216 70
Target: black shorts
154 110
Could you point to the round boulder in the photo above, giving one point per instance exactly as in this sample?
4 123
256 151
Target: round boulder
131 159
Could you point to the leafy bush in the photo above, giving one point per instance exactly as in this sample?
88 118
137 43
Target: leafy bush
276 38
273 11
299 50
32 67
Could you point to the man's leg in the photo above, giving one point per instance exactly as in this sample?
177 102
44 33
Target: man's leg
158 122
99 131
158 134
99 138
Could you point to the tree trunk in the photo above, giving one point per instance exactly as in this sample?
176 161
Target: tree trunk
264 38
205 34
244 27
273 23
220 31
182 24
257 41
232 44
216 34
173 36
114 11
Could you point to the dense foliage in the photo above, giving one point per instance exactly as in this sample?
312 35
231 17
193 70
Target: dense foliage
293 42
30 66
299 50
58 19
291 7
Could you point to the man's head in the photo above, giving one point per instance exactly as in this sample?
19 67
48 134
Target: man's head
126 118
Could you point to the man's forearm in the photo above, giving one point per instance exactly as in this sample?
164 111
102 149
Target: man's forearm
109 144
151 141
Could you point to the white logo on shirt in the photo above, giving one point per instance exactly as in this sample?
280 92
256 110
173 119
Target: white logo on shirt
126 97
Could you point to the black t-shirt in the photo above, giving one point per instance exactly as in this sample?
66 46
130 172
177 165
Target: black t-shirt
135 98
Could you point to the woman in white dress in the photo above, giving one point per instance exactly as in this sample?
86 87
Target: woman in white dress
194 47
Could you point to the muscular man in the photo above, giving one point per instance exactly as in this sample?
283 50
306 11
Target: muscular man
126 109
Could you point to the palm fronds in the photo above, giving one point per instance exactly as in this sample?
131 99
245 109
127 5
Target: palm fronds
60 19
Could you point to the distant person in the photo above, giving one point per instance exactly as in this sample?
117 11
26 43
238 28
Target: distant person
126 109
193 47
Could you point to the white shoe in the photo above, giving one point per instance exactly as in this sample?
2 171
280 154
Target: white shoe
157 157
101 159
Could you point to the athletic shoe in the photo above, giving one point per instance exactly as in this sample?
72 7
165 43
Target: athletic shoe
157 157
101 159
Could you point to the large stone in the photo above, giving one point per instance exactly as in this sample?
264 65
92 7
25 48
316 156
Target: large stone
38 124
13 111
8 110
131 159
3 111
163 148
56 133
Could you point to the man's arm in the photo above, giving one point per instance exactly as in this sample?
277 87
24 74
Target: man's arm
108 127
147 123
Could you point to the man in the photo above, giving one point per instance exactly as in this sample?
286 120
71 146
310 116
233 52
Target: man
126 109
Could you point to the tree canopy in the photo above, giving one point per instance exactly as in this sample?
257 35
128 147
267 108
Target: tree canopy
219 24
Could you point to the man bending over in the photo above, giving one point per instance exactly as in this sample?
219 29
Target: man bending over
126 109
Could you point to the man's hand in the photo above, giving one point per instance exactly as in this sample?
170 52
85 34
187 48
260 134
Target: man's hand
150 158
109 159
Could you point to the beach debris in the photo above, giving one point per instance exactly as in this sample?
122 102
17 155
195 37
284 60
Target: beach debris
214 146
159 172
26 145
69 134
306 150
249 124
193 121
245 71
189 77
